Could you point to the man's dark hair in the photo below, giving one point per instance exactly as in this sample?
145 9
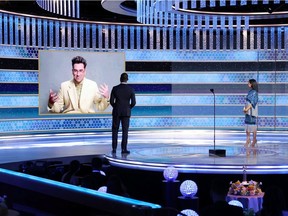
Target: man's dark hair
79 60
124 77
97 163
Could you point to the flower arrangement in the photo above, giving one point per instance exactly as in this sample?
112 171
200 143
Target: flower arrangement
250 188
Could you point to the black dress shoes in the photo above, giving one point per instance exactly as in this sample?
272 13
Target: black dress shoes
125 152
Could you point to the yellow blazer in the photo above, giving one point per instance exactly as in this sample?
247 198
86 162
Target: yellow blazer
90 98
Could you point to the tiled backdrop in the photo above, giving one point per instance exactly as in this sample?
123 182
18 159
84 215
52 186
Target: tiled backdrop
172 83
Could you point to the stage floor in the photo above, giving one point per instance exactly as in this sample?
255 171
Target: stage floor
187 150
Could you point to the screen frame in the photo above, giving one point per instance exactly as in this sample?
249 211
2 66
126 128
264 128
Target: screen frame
55 67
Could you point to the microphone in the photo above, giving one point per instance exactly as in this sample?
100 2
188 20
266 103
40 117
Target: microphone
212 90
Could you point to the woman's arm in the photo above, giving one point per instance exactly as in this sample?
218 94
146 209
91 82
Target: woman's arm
247 108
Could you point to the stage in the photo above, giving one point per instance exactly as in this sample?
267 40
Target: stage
187 150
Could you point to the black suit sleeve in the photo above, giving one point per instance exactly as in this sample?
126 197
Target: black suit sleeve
112 98
133 99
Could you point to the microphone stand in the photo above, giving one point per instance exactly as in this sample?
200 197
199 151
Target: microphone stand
216 152
212 90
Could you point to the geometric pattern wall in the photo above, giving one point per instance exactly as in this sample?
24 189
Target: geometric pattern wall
169 95
172 81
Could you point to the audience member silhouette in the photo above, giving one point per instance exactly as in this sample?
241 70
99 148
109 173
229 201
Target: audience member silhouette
70 176
27 167
116 186
97 178
273 203
4 210
220 207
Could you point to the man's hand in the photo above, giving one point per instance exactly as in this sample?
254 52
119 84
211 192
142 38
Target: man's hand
104 90
53 97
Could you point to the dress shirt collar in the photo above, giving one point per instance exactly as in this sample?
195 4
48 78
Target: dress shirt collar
78 84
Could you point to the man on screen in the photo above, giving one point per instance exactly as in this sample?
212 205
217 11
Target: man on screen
79 95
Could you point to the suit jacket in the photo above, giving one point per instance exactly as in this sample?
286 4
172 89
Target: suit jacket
90 98
94 181
122 100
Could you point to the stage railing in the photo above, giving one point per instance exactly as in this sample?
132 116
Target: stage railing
18 183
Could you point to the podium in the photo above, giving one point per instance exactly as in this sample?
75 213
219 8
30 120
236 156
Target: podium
170 193
188 203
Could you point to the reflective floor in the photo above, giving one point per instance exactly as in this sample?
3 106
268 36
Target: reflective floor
187 150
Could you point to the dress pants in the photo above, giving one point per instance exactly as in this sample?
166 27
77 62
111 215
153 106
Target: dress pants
125 121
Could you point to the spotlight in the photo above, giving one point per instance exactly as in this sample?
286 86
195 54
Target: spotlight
188 189
170 174
170 186
102 189
188 212
235 203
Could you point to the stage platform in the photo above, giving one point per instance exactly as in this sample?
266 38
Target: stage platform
187 150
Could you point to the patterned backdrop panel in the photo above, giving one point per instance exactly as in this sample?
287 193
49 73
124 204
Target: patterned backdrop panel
172 90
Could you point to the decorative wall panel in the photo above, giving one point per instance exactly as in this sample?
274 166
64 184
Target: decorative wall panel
171 70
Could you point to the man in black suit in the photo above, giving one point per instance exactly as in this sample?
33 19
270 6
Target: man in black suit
122 100
97 178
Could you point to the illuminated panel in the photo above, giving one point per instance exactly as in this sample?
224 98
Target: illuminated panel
41 184
162 55
162 100
197 77
18 101
198 100
46 125
18 76
200 168
196 55
19 112
19 51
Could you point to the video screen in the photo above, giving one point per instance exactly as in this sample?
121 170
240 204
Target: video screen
66 88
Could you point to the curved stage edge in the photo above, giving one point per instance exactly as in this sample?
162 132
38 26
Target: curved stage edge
186 150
